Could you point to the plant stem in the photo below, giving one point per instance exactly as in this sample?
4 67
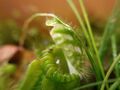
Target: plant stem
109 71
29 20
114 49
114 46
90 40
94 84
91 37
109 30
115 84
73 7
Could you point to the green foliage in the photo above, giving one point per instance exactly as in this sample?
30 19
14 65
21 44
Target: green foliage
9 32
56 63
61 65
45 74
111 28
6 71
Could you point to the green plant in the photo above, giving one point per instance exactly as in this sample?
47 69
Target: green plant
62 65
50 72
6 71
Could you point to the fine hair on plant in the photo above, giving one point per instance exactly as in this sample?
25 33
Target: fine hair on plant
62 65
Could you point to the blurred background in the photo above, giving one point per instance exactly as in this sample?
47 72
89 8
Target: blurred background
20 10
13 14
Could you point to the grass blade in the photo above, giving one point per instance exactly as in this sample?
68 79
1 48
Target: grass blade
109 71
109 30
99 71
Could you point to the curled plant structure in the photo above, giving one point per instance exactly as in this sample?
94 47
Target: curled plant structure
60 66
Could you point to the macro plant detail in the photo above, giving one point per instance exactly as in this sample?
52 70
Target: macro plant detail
72 60
64 62
55 62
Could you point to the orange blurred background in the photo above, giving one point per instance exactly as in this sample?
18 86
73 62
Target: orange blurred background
20 10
